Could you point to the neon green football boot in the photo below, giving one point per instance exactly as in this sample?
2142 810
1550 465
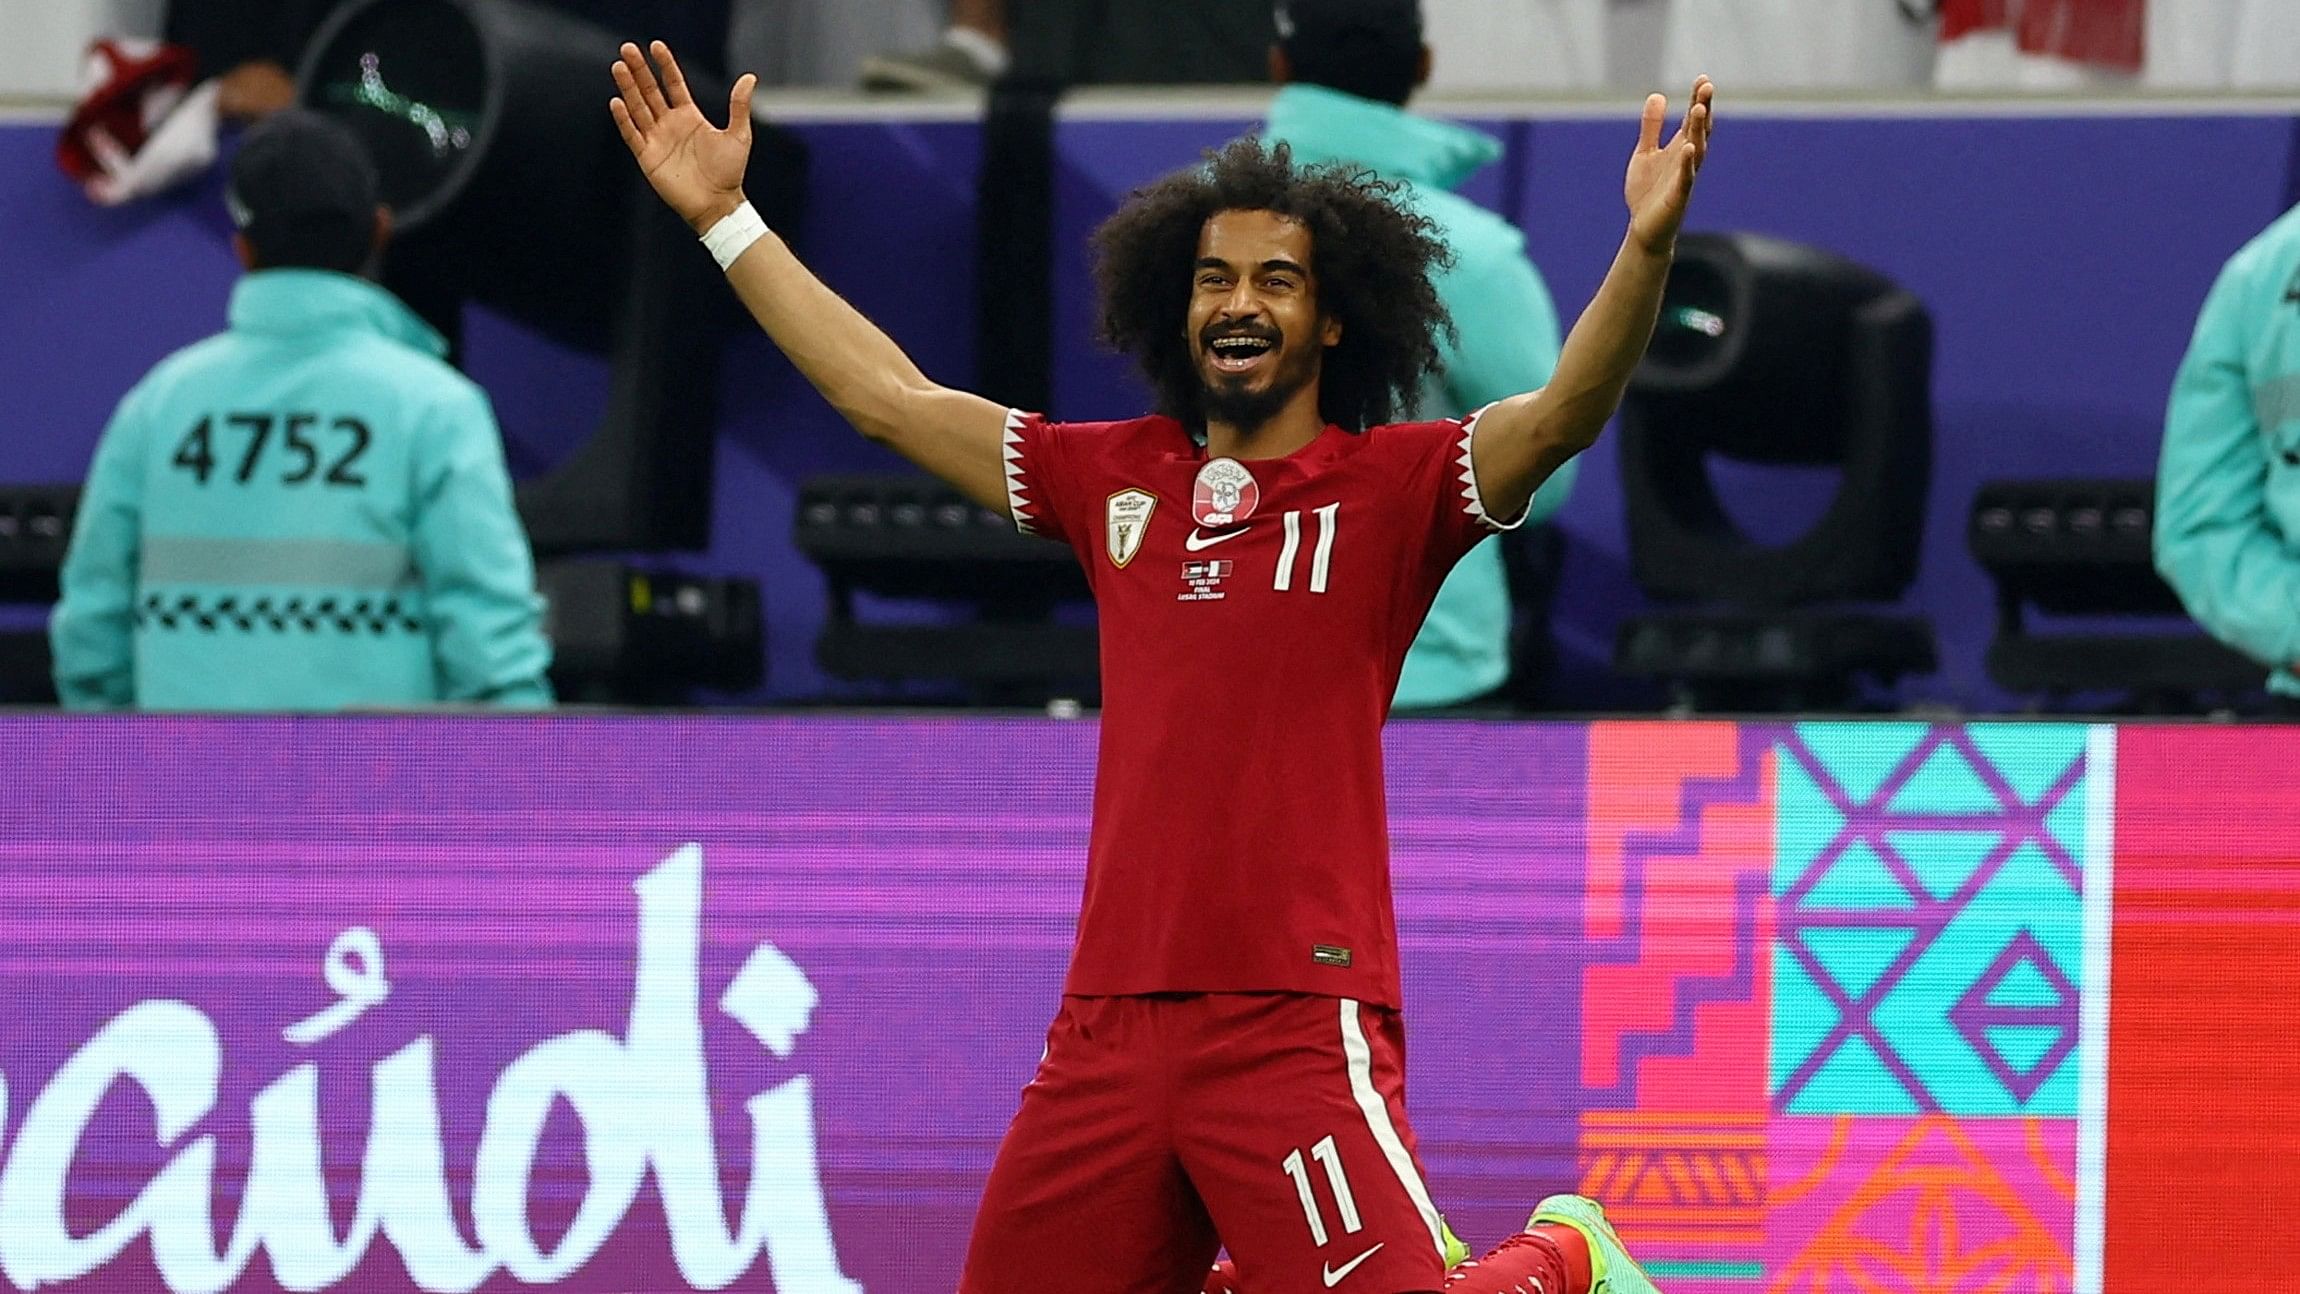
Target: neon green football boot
1611 1269
1456 1253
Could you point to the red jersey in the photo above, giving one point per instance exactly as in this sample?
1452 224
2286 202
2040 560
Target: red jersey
1254 617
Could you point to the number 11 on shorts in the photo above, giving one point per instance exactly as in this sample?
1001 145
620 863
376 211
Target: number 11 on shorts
1330 1157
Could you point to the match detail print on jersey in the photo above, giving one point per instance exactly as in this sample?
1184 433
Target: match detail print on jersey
1126 519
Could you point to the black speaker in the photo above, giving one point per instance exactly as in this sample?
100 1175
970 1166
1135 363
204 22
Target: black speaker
999 639
2082 550
632 635
35 530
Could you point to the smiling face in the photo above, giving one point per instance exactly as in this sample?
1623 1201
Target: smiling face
1254 327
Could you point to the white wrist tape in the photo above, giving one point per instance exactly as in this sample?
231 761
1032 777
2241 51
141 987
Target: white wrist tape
734 234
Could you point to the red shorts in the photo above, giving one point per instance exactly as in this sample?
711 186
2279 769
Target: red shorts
1161 1128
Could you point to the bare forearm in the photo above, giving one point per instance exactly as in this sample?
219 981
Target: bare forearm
1606 344
867 378
857 367
1521 440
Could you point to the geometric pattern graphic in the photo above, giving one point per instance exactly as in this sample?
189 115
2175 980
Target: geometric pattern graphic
1686 1191
1929 1205
1677 918
1833 1000
1674 916
1929 894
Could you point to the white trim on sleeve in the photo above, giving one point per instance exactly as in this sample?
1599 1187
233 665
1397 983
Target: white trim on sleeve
1473 502
1017 499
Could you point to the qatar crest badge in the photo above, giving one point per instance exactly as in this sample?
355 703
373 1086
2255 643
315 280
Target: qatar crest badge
1224 495
1126 519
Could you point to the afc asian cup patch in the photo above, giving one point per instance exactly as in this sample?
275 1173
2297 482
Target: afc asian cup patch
1126 519
1224 494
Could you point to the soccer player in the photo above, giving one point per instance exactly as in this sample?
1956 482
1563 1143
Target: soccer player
1227 1062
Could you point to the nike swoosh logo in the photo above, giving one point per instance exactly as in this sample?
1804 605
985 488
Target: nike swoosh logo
1335 1275
1198 543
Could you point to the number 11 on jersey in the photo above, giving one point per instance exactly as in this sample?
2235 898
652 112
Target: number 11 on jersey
1330 1157
1321 556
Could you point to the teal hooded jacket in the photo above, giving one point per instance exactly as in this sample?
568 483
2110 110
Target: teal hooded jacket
2228 484
308 511
1506 343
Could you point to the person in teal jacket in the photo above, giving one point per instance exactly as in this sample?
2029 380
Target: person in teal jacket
310 510
2228 485
1346 69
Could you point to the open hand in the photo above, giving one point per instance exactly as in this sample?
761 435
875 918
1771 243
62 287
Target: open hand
1660 180
696 167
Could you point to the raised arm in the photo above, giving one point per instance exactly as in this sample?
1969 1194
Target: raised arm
697 168
1522 439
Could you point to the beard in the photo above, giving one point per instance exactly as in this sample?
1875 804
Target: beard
1230 401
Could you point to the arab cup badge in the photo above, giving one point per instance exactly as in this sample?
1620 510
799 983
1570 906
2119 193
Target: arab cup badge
1224 495
1126 518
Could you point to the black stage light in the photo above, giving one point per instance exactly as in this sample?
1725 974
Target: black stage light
1772 353
2082 548
489 126
488 122
912 537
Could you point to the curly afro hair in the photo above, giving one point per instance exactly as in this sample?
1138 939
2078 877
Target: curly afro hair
1373 259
